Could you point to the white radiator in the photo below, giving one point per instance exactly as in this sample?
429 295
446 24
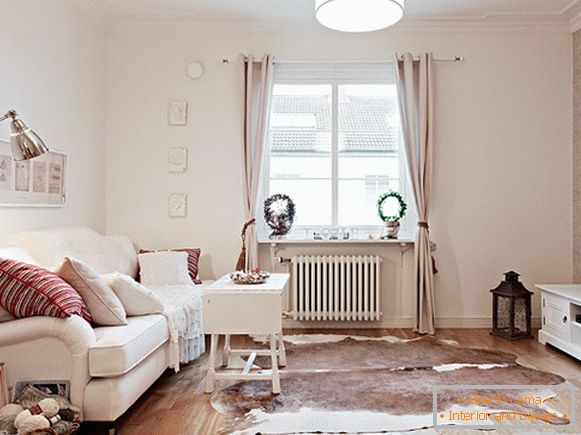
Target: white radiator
336 287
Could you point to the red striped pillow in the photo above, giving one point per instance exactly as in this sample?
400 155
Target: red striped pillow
27 290
193 260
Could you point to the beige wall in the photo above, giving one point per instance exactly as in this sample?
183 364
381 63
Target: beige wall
577 155
53 72
502 164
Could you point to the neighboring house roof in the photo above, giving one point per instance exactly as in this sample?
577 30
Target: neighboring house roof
362 123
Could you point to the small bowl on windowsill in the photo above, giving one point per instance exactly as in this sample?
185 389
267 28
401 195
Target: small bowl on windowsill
249 278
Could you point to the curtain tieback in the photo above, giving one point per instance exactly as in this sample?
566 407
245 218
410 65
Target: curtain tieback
241 263
246 225
424 224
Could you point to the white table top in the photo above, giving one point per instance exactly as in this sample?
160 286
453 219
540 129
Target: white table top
275 283
568 291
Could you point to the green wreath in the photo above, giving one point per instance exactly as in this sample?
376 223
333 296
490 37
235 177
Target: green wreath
402 206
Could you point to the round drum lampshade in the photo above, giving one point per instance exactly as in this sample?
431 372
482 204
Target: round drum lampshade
359 15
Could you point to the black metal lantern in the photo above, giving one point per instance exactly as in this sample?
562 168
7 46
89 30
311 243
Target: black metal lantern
511 308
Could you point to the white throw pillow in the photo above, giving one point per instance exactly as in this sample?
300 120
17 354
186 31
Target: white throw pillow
136 299
164 268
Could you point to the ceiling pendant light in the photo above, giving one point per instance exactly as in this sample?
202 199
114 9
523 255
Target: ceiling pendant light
358 15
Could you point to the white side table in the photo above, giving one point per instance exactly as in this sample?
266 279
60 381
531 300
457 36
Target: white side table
232 309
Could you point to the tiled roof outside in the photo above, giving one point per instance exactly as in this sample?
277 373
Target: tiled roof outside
362 124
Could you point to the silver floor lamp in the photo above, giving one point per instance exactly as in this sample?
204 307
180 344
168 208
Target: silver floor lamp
25 143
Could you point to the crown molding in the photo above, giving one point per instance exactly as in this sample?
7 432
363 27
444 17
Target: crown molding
573 11
101 11
575 24
410 26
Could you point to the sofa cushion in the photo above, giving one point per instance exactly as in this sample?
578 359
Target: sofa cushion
103 253
120 348
18 254
106 399
164 268
193 260
27 290
104 305
137 299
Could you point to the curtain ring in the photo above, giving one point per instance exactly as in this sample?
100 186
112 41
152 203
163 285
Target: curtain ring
423 224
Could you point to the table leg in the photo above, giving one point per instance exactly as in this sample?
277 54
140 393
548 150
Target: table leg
226 353
281 350
2 385
212 364
274 362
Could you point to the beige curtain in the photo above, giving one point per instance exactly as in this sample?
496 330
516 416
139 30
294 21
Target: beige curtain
416 103
258 75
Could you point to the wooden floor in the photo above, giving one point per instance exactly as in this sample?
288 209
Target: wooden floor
176 403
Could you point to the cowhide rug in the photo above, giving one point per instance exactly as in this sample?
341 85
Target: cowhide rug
337 384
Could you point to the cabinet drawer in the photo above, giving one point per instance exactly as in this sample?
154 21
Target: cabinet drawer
227 313
556 316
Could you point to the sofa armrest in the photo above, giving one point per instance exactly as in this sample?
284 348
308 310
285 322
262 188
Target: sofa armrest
74 331
48 348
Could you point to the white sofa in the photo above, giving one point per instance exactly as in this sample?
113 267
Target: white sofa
108 368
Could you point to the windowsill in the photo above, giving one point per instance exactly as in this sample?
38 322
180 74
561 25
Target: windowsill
401 241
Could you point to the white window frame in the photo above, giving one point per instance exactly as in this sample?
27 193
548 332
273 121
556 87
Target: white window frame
336 75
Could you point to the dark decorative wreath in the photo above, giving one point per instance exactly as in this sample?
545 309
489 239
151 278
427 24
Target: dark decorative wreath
279 213
402 206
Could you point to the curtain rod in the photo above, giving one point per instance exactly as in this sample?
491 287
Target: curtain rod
455 59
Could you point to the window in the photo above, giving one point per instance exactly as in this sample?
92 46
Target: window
334 144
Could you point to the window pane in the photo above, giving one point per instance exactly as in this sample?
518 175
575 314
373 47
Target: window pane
300 150
358 200
368 150
312 199
300 165
300 121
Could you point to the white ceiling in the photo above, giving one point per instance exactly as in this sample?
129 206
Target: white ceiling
565 13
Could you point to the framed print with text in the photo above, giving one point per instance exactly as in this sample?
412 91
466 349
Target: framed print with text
40 182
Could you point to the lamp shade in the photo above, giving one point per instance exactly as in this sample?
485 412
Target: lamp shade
359 15
25 143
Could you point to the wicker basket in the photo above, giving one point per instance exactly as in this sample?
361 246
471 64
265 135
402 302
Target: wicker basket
50 431
45 431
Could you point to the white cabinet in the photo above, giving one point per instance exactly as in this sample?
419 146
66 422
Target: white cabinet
561 304
556 316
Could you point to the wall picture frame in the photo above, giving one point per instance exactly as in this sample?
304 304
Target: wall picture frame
178 112
177 159
177 205
40 182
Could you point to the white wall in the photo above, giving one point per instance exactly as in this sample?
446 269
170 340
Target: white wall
502 196
577 156
53 71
